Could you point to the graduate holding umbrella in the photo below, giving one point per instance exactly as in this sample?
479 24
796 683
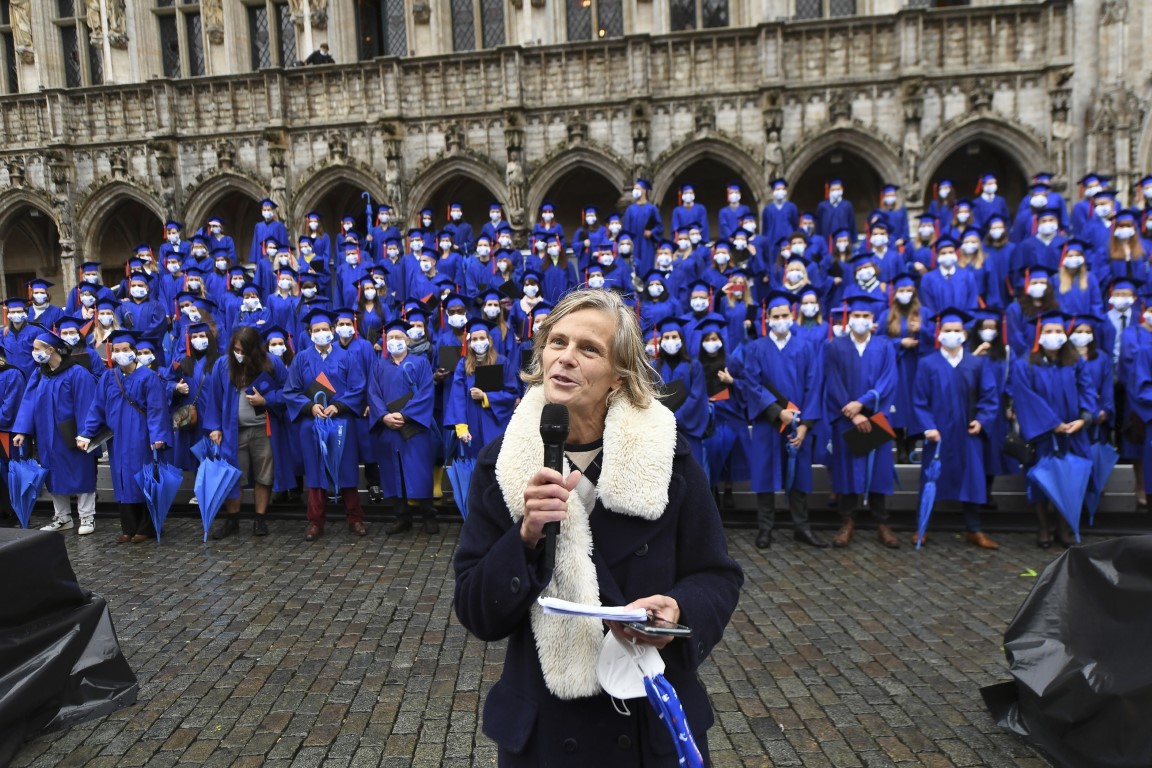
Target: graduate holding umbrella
130 400
55 401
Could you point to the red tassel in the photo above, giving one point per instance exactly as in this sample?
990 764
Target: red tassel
938 324
764 319
1035 223
187 343
1036 341
1004 328
1063 255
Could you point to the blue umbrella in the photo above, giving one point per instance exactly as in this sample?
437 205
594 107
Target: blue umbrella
460 475
1104 458
664 700
790 467
25 478
1064 480
201 448
215 478
928 495
159 482
717 449
330 434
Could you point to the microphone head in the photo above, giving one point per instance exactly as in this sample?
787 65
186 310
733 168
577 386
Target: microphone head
554 424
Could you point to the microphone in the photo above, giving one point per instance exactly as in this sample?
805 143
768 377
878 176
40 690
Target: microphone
553 431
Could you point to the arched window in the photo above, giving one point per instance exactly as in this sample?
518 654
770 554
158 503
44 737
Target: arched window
467 35
181 38
595 19
698 14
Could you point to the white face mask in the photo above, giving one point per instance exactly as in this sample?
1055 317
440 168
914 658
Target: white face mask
1039 201
637 193
879 241
1102 211
1037 290
554 251
492 312
1080 340
839 330
393 253
345 331
239 356
238 283
688 197
904 297
683 244
536 326
889 200
285 284
494 216
194 285
313 225
842 247
503 266
17 317
963 216
352 259
1148 317
199 344
347 227
426 221
810 310
145 359
695 239
614 228
457 321
71 339
699 304
1122 303
222 264
835 196
483 250
996 233
251 305
397 347
1125 233
505 242
417 246
926 233
670 346
712 347
138 291
749 227
951 339
369 293
796 249
794 276
590 220
456 215
39 298
41 356
445 245
865 275
621 667
547 216
123 359
664 261
193 315
625 249
1052 341
307 292
480 346
322 338
92 279
216 230
1074 261
607 260
947 260
734 198
1047 229
779 194
596 281
415 333
425 266
174 238
105 320
970 248
531 290
655 290
277 350
944 192
781 327
721 258
1092 191
267 215
173 267
860 326
988 335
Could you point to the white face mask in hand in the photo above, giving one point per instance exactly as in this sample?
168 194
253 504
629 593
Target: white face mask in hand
621 667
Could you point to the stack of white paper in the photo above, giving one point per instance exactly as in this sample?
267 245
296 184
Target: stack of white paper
555 605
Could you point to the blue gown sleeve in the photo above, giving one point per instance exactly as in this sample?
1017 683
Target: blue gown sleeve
922 399
455 411
988 402
1033 412
212 397
156 405
419 408
352 399
1087 399
25 423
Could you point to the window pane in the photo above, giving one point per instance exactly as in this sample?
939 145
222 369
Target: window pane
67 9
287 36
809 9
579 19
841 7
71 45
683 15
165 3
394 27
10 82
5 17
258 34
195 36
463 26
715 13
95 64
169 45
370 26
610 18
492 22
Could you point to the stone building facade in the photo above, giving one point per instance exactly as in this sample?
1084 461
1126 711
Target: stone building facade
872 90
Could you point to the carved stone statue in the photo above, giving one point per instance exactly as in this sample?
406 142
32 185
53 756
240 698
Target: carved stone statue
212 12
319 14
773 156
393 184
514 179
117 31
20 15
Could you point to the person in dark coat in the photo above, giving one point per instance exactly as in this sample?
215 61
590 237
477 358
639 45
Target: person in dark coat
638 527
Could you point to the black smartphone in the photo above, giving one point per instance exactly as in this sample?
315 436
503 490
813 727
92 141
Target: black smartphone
659 628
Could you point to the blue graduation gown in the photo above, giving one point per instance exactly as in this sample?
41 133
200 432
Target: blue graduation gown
938 292
484 424
777 221
1045 395
49 315
135 432
869 379
832 218
412 459
947 399
984 209
184 439
258 319
639 217
347 379
692 416
555 280
728 219
479 276
52 399
1079 301
461 235
221 412
263 230
365 356
795 373
907 363
996 429
18 346
684 217
282 310
652 312
147 318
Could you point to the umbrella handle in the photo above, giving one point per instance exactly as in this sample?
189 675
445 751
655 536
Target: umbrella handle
320 396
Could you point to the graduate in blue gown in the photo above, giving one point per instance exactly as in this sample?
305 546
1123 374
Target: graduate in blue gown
780 217
1044 248
860 380
18 335
401 401
1036 299
989 340
948 285
130 400
269 227
835 213
380 233
243 391
12 384
364 355
480 416
188 376
642 220
53 408
252 310
218 241
781 383
460 230
656 303
142 313
557 271
727 445
730 215
326 382
999 252
495 220
90 277
40 310
1077 290
287 464
72 331
906 325
1083 337
688 213
987 202
954 397
679 369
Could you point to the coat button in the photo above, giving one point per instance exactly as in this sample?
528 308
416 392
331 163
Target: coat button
642 551
624 742
514 585
570 746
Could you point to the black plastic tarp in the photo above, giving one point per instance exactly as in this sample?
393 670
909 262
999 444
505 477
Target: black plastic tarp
60 662
1080 654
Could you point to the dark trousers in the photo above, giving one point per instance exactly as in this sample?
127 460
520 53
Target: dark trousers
971 517
318 504
135 520
371 475
877 502
766 510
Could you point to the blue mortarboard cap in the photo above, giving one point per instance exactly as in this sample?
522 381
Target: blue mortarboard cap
1050 212
644 184
712 323
595 269
39 282
864 303
494 206
1043 177
655 276
269 203
953 315
90 266
1125 283
1038 272
1077 245
170 224
274 332
903 280
318 315
1127 215
543 308
397 325
250 288
104 303
215 220
836 180
121 335
861 259
1089 179
71 322
782 298
890 188
778 182
530 274
199 240
670 324
945 242
200 327
143 344
455 300
88 288
51 339
700 285
344 313
479 325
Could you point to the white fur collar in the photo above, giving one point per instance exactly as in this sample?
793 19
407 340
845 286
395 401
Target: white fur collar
639 445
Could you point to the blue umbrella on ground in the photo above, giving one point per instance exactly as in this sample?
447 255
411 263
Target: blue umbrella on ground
215 478
25 478
928 496
1064 478
159 482
460 475
1104 458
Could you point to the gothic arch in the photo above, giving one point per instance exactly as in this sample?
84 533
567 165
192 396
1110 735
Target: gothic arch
102 202
555 168
207 194
875 151
15 199
313 189
672 163
441 170
1144 147
1026 150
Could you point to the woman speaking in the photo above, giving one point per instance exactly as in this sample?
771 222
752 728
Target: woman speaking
638 528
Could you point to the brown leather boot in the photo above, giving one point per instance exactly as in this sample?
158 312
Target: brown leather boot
843 536
887 538
979 539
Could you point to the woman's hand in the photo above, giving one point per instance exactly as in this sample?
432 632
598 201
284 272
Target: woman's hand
909 342
82 443
724 376
852 410
658 607
17 441
545 501
862 423
476 394
255 399
318 411
801 433
216 436
982 349
182 387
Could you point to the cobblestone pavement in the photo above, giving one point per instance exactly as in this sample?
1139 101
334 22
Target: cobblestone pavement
345 652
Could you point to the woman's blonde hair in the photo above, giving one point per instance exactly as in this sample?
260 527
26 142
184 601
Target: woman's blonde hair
639 381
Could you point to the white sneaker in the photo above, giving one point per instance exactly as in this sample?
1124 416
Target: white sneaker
58 524
194 501
87 526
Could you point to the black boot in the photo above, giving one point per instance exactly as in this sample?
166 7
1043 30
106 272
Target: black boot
228 526
259 526
431 527
403 522
798 506
765 519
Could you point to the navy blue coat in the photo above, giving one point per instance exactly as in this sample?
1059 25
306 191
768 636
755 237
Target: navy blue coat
683 554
